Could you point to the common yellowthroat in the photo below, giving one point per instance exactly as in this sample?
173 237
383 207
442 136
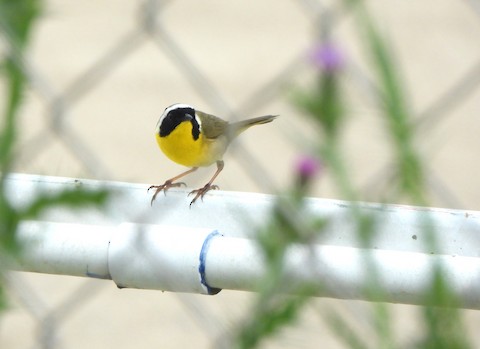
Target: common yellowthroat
196 139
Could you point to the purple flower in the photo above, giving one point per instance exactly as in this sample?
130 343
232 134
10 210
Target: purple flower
307 166
327 56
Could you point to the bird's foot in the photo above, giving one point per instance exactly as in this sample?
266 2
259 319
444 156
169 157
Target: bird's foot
200 193
165 186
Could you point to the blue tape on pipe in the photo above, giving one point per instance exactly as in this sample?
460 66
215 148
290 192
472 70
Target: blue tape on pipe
203 256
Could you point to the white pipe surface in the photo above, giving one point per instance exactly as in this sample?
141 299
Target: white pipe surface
345 272
65 248
166 246
160 257
204 261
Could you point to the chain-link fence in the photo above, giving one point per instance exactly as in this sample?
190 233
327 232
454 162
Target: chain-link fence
101 73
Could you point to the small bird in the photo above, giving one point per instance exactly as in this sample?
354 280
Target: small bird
196 139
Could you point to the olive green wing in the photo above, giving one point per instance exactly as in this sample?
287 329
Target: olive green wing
212 127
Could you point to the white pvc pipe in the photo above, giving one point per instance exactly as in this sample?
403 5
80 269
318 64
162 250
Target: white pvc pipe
171 252
204 261
402 228
345 272
65 248
166 258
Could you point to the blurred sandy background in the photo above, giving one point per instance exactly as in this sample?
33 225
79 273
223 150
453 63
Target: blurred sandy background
101 78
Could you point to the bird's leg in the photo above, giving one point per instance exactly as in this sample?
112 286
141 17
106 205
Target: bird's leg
169 183
200 193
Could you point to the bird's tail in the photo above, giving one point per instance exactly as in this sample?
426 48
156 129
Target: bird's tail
240 126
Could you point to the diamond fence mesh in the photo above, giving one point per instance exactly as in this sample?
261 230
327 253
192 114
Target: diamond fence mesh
101 73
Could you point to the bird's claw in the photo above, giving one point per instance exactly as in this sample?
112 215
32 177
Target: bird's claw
200 193
164 187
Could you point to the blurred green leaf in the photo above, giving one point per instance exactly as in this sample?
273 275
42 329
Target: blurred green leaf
444 327
408 164
17 18
344 331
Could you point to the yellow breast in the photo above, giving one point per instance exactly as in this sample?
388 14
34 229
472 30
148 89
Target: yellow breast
180 147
